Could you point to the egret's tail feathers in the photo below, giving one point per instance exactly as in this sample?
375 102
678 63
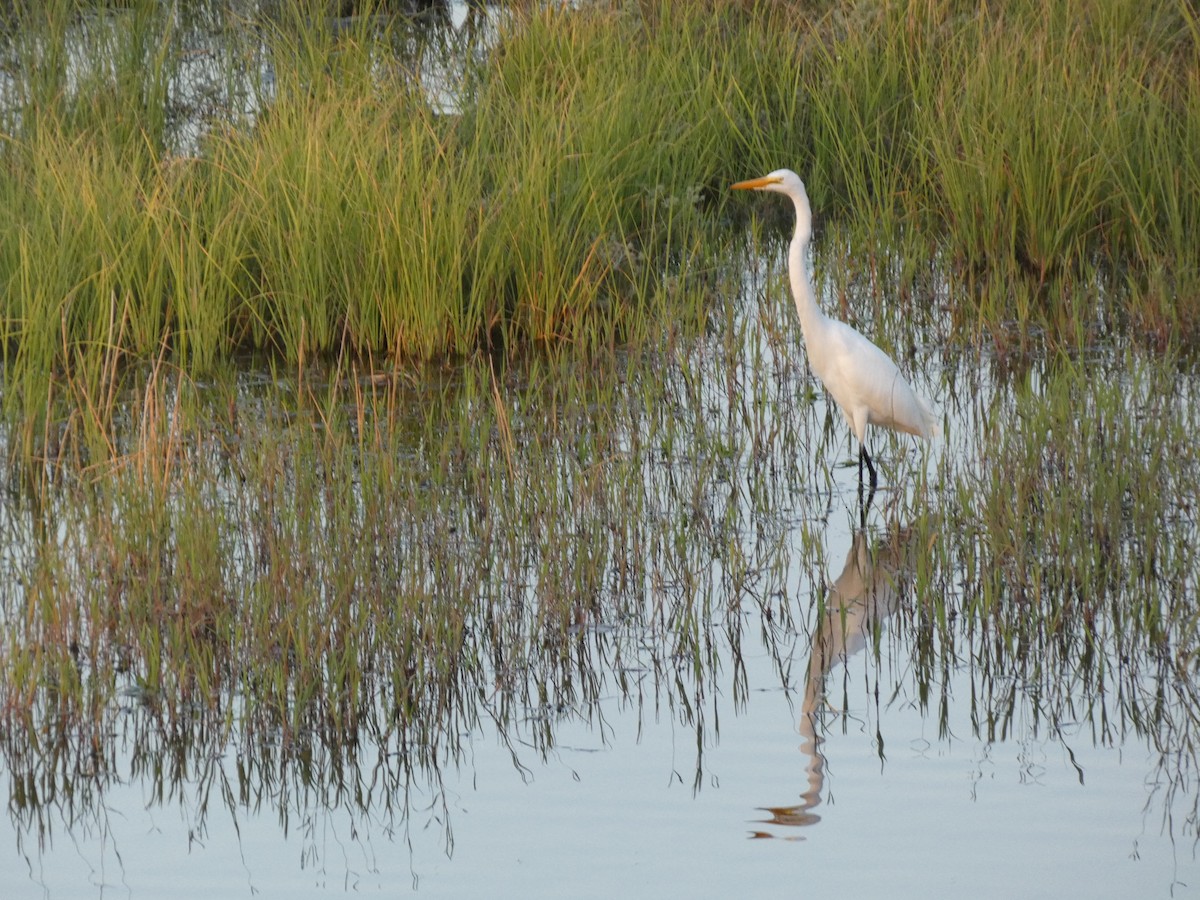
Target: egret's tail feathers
931 423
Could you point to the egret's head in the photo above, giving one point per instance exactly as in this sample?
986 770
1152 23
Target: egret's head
781 181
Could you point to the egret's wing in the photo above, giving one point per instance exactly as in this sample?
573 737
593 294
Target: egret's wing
869 386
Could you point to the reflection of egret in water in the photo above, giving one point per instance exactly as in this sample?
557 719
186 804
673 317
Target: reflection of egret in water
861 598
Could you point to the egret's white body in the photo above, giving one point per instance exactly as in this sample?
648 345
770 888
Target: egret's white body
864 380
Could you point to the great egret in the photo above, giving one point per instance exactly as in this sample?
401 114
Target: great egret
863 380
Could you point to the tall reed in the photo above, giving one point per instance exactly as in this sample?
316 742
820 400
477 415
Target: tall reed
1042 148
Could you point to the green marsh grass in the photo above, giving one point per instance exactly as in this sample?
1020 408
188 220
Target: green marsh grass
1073 525
348 213
339 208
1041 149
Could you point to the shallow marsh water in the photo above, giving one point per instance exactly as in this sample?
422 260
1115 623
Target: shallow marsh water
576 628
684 669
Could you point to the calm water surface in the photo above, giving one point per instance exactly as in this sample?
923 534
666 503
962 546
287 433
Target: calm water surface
905 809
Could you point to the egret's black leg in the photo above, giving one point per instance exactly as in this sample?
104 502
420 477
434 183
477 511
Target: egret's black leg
864 456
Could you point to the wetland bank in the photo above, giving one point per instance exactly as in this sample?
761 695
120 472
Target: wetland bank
413 477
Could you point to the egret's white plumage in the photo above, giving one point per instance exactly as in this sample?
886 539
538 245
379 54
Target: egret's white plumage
864 381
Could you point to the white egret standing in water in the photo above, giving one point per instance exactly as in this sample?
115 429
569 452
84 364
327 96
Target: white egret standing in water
863 380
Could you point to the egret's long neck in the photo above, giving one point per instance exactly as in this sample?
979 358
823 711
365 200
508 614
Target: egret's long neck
811 317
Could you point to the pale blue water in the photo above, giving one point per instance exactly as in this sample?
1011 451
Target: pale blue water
619 816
